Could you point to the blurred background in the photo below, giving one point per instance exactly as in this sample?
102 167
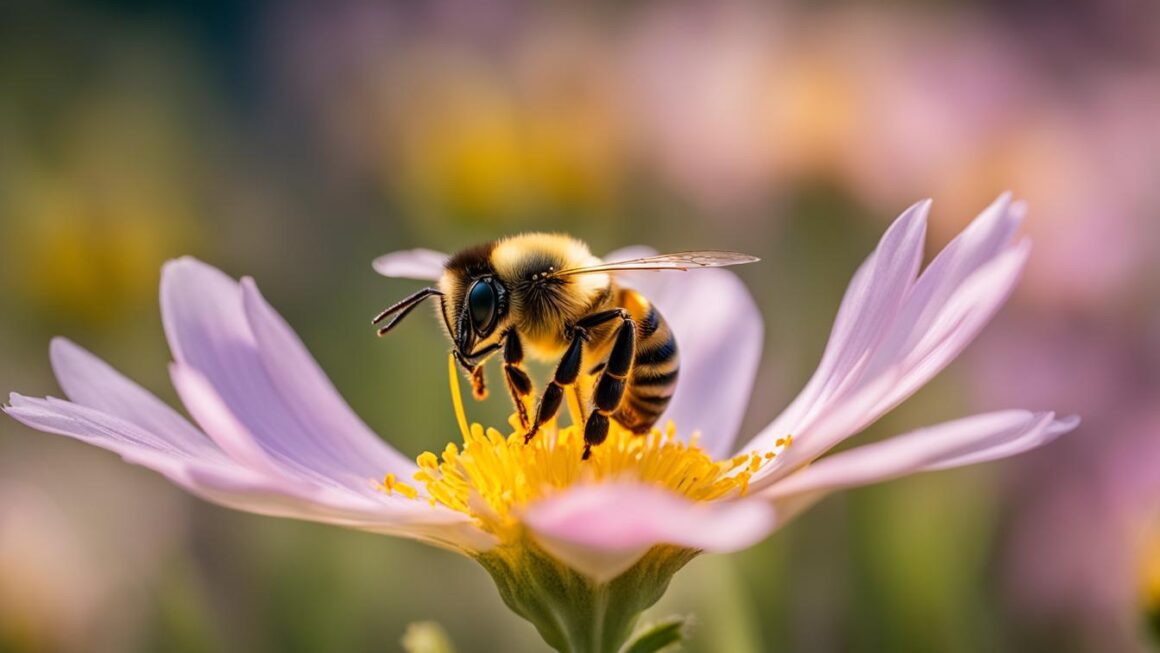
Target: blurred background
294 141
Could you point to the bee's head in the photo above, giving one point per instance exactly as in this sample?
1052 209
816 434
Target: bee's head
483 305
475 300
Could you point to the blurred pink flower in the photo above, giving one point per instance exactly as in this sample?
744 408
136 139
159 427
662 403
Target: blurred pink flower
1095 514
275 437
961 107
695 86
1091 505
77 575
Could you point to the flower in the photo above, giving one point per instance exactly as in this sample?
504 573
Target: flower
578 548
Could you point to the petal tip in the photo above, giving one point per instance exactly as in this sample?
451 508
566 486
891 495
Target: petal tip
918 211
60 348
1067 423
187 266
418 263
174 265
910 221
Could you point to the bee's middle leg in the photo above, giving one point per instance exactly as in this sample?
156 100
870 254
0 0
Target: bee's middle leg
568 370
518 382
566 373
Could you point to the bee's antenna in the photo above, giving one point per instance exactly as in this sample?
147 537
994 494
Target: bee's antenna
402 308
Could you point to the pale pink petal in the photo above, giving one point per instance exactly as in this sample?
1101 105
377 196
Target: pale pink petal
213 414
309 393
110 432
89 381
872 300
965 441
211 474
987 238
719 335
210 333
951 326
420 264
207 407
915 331
602 530
956 325
242 489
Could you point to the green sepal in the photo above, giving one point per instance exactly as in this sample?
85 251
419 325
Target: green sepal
665 636
573 613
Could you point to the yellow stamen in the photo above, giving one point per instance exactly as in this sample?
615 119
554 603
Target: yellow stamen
456 398
494 476
392 485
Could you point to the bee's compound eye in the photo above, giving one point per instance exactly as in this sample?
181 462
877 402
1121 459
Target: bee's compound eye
481 305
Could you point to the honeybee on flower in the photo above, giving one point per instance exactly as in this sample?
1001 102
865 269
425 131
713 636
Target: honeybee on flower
549 294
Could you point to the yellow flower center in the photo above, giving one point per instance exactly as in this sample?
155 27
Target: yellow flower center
493 476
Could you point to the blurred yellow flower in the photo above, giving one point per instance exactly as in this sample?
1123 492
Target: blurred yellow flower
90 213
1150 579
472 144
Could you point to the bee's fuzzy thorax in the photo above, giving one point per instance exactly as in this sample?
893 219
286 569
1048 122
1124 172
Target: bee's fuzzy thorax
542 307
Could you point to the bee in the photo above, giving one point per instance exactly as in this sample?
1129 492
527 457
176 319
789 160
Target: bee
546 296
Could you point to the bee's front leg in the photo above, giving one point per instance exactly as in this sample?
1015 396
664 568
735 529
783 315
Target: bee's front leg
478 384
473 364
518 382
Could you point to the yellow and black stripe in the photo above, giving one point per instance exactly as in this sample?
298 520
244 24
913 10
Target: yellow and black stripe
655 365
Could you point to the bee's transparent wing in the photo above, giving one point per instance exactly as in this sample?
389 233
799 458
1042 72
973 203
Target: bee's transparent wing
705 258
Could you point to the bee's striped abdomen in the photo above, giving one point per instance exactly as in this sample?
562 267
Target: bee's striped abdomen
655 366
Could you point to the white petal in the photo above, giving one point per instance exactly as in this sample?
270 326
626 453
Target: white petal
952 444
894 332
719 335
421 264
602 530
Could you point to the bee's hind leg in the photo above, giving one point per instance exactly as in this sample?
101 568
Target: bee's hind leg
610 388
518 382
